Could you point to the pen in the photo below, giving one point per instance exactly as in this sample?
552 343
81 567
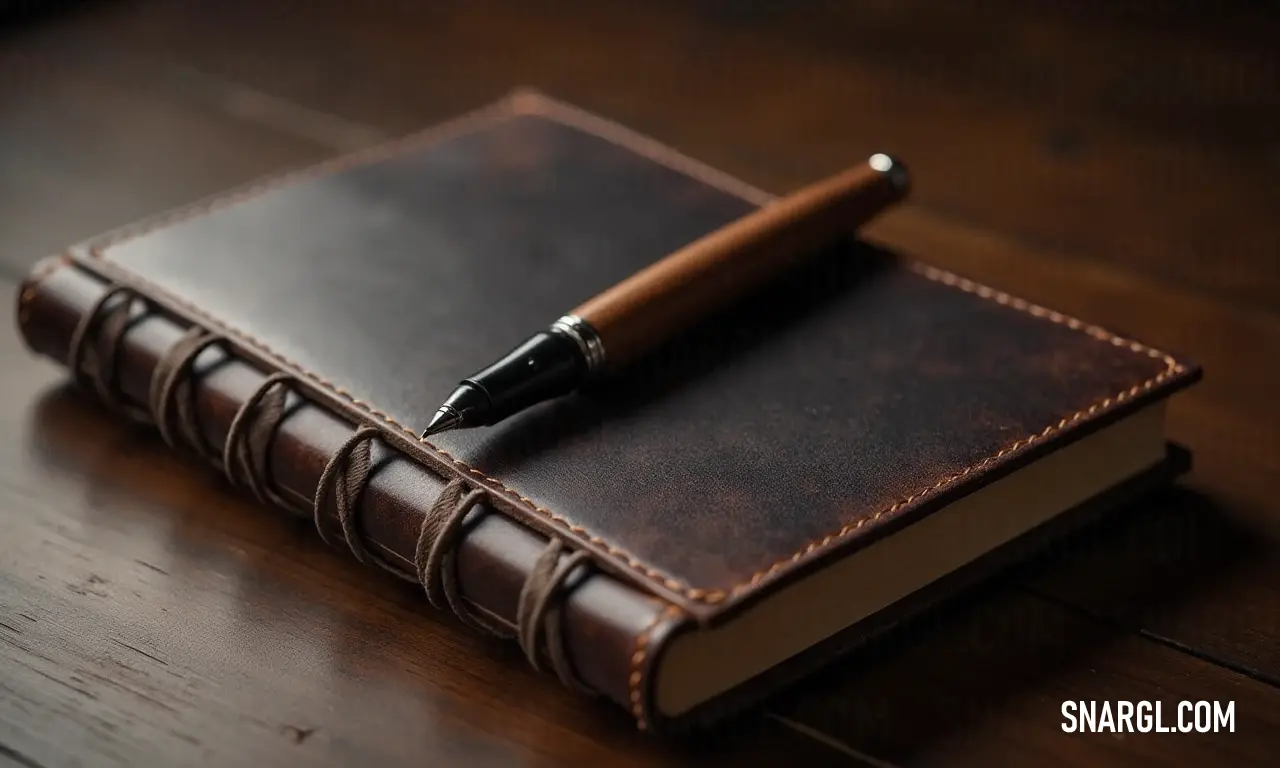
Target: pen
611 330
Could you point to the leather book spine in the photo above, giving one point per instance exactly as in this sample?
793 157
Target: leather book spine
604 631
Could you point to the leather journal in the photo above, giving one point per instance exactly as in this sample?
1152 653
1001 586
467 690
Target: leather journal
771 489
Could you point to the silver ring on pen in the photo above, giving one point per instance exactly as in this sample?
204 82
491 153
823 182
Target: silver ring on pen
586 338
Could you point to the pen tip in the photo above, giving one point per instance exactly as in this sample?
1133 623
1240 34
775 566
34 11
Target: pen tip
445 419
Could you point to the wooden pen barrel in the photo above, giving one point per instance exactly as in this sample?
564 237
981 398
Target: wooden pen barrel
670 295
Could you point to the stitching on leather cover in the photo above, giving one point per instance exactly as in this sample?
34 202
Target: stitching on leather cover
635 680
1172 368
530 102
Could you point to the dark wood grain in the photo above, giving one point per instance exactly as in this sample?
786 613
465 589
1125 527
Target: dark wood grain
1118 162
81 152
1144 137
85 148
982 681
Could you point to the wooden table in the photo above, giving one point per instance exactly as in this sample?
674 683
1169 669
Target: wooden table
1117 164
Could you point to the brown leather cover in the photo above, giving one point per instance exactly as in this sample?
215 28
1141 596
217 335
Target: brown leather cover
858 394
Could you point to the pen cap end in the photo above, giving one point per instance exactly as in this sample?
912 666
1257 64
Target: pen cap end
892 167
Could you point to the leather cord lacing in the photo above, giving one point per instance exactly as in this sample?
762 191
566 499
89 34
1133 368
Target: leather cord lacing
247 449
94 366
245 459
172 390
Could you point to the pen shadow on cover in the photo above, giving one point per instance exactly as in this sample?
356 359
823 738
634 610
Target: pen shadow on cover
768 313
